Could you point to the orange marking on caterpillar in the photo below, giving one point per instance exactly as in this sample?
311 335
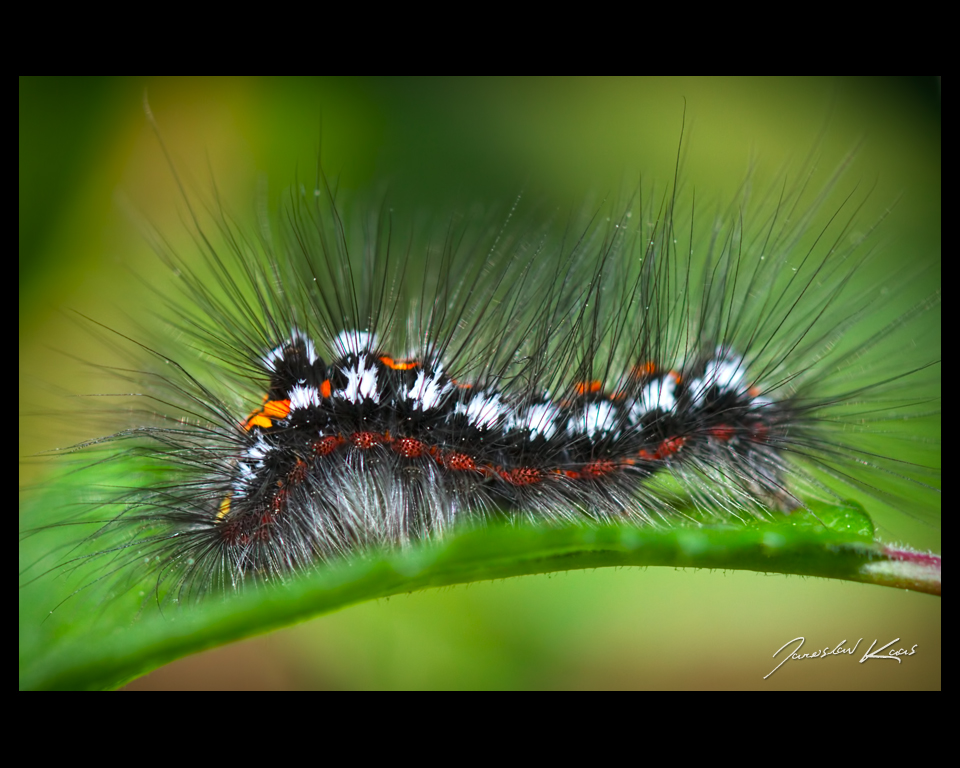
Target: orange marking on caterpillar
409 447
722 433
366 440
643 370
459 462
272 409
521 475
276 508
588 387
296 475
667 448
325 388
598 468
670 446
399 365
327 445
257 420
276 409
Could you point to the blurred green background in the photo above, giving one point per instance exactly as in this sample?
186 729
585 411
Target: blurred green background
90 168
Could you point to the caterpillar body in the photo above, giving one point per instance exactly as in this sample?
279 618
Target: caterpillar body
369 450
358 383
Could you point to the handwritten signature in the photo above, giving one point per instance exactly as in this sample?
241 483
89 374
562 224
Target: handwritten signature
839 650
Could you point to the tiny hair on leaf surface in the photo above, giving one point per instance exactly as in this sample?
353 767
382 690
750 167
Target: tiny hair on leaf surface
498 548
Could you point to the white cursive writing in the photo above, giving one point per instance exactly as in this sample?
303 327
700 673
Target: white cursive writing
839 650
895 655
819 654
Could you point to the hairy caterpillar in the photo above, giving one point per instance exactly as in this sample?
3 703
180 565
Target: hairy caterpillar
554 379
400 347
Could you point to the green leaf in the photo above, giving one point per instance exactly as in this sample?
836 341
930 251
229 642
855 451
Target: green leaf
81 629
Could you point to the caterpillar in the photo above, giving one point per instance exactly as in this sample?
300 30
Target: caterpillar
377 385
776 599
